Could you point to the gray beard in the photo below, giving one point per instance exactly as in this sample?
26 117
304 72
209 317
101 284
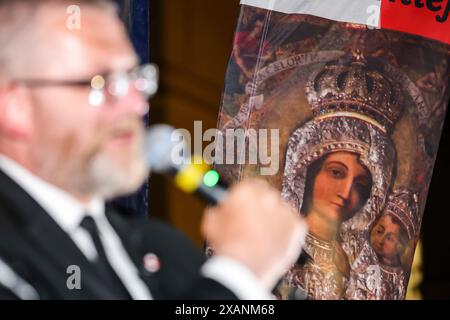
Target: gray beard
95 176
106 180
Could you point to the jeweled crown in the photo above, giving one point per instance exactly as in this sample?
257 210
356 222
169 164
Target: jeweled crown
355 88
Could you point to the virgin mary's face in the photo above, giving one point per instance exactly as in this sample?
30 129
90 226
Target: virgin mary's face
341 187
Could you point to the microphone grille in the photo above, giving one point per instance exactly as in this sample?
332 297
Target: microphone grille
158 148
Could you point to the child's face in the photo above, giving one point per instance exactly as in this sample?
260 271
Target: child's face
385 239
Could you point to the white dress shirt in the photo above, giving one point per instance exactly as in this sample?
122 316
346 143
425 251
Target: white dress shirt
68 213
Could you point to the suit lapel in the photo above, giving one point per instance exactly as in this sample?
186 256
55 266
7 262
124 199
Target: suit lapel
48 239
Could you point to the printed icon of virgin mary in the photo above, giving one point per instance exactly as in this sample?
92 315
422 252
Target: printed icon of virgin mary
339 169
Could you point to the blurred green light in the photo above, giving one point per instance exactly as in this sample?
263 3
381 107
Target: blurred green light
211 178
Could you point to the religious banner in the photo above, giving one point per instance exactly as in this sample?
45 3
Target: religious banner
354 94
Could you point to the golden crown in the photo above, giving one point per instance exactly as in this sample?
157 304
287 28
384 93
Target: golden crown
355 88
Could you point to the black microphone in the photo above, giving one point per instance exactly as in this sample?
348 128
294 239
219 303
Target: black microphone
165 154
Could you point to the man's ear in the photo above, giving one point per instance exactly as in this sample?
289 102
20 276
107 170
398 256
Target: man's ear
16 112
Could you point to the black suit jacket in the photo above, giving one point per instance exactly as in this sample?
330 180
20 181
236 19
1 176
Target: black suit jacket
40 252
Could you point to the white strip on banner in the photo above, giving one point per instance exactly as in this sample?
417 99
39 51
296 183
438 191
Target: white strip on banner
353 11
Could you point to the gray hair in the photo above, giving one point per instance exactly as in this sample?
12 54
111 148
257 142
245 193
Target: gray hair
18 24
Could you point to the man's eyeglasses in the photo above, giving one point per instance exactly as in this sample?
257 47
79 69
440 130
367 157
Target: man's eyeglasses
114 86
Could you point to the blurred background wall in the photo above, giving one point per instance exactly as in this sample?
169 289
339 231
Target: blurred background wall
191 42
136 17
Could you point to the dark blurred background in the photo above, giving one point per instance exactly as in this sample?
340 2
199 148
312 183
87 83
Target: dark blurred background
191 42
436 226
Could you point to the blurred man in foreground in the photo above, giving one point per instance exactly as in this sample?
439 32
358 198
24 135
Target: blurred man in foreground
70 138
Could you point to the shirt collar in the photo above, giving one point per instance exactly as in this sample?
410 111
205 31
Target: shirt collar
61 206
